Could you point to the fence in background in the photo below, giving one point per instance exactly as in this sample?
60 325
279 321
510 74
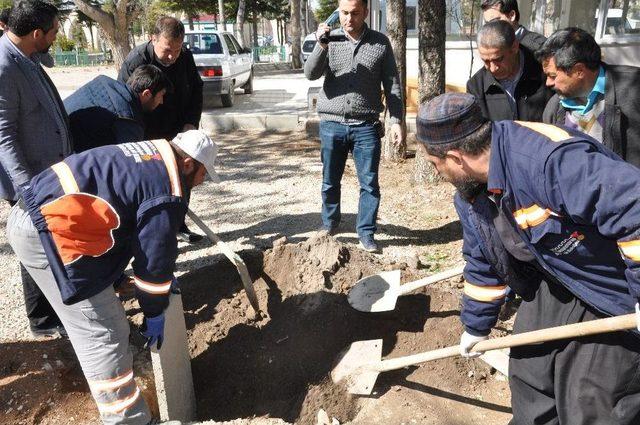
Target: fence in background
78 58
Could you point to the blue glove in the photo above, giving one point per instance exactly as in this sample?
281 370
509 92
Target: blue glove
153 330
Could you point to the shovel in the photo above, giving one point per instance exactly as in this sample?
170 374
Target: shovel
233 257
361 363
380 292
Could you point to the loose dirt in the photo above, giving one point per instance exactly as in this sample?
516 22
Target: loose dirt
276 368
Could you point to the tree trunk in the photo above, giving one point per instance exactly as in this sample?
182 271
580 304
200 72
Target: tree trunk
303 16
254 29
538 16
431 60
240 22
397 32
221 12
296 48
115 25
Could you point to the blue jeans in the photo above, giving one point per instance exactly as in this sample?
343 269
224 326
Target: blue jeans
337 140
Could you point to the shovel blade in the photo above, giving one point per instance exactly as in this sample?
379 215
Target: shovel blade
356 366
376 293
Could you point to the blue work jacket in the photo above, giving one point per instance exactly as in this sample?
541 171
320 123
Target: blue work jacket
576 206
97 210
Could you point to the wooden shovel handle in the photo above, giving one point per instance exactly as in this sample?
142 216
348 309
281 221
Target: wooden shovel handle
447 274
575 330
233 257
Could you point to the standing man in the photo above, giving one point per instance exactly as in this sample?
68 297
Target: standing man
93 213
349 105
596 98
511 86
105 111
559 207
507 10
182 108
34 130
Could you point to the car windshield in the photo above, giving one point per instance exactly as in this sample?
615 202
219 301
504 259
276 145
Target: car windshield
308 45
203 43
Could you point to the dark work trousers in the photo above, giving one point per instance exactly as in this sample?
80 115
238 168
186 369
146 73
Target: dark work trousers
586 381
39 312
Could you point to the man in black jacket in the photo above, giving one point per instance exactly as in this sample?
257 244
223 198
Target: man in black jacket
182 108
507 10
511 84
599 99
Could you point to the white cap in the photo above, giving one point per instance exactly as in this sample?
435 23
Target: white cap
200 147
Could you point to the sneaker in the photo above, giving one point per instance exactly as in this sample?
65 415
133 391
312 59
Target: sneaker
54 332
368 244
329 230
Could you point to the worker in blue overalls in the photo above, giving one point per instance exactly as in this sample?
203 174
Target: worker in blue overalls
76 228
553 215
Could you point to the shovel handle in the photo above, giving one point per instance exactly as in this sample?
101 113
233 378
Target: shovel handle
575 330
447 274
233 257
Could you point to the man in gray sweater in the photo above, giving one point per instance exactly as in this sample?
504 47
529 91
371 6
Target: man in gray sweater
355 61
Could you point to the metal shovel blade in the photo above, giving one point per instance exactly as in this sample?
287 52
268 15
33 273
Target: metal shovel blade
351 366
376 293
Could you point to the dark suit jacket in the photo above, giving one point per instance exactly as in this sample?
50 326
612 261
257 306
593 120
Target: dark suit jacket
532 40
621 131
531 93
181 106
34 130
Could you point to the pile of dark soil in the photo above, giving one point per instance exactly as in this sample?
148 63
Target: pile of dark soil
278 366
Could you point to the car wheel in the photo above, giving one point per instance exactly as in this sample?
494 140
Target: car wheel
248 86
227 99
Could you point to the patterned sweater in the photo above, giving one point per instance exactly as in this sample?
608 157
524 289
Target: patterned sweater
353 73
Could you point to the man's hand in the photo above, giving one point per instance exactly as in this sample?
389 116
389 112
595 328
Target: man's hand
322 29
397 135
467 341
188 127
153 330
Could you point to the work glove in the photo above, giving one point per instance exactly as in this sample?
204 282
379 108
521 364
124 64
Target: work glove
153 331
467 341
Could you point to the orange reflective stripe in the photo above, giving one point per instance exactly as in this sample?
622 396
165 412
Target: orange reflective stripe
152 288
631 249
485 293
172 167
552 132
532 216
111 384
119 405
67 181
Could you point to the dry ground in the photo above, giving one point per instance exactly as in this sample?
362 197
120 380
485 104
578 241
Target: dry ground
271 189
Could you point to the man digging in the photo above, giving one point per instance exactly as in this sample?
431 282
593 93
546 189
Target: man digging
93 213
555 215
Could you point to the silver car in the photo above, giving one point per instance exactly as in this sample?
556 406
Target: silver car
221 62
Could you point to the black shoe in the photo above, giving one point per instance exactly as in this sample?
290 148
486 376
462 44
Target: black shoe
368 243
186 235
54 332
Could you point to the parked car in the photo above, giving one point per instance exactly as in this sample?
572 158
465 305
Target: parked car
221 62
309 42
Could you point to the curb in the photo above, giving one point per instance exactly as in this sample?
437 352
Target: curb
279 122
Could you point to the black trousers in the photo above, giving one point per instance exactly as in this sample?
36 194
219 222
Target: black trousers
590 380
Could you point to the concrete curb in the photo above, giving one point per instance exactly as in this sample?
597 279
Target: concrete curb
216 123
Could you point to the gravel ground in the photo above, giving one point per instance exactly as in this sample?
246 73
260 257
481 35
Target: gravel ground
271 188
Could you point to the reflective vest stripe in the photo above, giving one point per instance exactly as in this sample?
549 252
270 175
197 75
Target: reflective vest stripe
152 288
484 293
552 132
532 216
111 384
67 181
631 249
170 162
119 405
